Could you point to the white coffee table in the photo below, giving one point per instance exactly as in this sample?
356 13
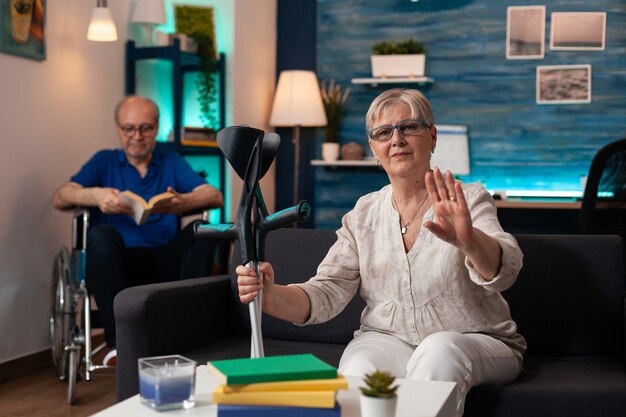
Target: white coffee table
415 399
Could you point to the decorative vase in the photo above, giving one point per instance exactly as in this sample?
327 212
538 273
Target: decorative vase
330 151
378 407
398 65
352 151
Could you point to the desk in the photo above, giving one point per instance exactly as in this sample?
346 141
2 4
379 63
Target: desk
539 216
541 204
415 398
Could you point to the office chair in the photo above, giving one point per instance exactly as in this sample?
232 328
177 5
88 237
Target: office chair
603 209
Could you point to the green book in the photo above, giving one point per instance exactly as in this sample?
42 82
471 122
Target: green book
270 369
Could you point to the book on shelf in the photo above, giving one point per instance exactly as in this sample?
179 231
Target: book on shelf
199 136
271 369
319 398
298 385
227 410
142 208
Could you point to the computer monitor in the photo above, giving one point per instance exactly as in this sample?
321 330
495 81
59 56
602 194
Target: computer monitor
452 151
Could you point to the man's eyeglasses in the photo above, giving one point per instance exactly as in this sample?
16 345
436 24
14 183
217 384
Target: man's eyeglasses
405 128
145 129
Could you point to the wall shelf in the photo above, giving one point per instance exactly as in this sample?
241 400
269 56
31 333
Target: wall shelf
374 81
344 163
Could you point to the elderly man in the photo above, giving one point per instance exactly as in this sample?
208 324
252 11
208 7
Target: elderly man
121 253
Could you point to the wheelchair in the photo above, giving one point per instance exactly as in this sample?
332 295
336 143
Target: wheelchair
71 315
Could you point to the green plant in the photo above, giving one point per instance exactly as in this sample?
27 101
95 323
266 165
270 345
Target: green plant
197 23
334 96
379 385
409 46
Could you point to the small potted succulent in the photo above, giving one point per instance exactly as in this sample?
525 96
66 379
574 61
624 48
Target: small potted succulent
398 59
334 96
378 397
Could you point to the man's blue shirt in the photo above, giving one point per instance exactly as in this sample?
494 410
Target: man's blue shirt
110 168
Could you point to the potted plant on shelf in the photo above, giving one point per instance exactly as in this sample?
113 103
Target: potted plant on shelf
334 96
378 397
197 23
398 59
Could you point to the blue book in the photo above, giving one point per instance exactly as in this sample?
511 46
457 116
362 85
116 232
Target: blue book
226 410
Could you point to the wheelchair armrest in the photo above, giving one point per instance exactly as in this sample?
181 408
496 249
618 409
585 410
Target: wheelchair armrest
168 318
80 224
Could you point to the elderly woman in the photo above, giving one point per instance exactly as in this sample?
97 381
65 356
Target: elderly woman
430 257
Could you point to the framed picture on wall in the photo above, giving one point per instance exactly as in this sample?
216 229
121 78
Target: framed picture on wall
22 28
574 31
525 32
564 84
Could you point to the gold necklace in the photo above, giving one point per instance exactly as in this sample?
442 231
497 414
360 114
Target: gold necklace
403 228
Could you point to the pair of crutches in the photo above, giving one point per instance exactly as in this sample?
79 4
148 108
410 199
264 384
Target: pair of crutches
250 152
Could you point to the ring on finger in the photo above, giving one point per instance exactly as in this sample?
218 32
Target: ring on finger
452 198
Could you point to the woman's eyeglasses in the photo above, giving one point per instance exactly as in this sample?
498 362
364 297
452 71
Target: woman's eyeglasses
405 128
145 129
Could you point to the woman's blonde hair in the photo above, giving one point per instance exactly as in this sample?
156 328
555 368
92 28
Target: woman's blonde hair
417 102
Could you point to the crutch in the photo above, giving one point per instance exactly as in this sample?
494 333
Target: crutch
251 152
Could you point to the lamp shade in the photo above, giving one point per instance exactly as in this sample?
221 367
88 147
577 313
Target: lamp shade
149 11
102 27
298 101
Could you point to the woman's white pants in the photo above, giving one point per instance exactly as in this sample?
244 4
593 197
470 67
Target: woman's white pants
469 359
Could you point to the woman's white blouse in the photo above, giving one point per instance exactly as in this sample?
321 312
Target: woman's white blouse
411 295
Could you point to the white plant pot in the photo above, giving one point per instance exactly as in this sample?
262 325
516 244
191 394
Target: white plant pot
378 407
398 65
330 151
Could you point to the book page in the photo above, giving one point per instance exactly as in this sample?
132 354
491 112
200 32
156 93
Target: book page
138 206
141 209
160 199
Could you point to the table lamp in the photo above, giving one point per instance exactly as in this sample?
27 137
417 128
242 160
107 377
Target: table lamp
149 13
297 103
101 26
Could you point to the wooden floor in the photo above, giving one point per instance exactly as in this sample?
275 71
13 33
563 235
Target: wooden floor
42 394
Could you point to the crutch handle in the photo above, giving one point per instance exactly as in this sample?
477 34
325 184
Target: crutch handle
282 218
215 231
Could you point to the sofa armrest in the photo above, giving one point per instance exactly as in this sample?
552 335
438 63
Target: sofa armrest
167 318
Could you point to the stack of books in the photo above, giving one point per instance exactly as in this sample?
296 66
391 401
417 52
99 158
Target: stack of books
276 386
198 136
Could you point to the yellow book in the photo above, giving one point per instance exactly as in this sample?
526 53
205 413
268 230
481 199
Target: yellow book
317 399
299 385
142 208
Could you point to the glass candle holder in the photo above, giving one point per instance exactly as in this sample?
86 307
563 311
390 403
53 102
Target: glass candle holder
167 382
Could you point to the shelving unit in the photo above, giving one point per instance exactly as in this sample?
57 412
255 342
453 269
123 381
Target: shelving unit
182 63
374 81
344 163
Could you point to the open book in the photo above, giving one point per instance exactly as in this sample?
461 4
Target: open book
141 208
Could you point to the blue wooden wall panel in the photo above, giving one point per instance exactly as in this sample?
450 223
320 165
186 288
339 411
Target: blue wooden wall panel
514 142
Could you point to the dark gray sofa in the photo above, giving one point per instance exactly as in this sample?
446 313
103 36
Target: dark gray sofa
568 302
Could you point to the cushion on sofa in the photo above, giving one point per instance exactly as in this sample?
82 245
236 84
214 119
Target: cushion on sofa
569 296
284 250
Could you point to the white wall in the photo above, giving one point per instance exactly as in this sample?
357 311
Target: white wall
54 114
254 77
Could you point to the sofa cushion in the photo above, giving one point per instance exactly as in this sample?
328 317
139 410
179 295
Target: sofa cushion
555 386
239 347
284 252
569 297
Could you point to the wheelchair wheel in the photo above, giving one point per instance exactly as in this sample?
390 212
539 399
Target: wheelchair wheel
72 373
63 312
